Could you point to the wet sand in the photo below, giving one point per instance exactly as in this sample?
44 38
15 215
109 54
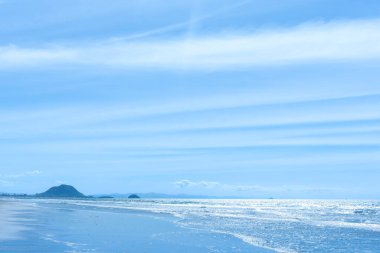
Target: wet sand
12 222
36 226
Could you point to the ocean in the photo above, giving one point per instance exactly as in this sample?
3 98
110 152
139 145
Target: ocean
194 226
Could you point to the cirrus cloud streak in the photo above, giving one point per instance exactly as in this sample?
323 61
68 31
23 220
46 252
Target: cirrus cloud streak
310 42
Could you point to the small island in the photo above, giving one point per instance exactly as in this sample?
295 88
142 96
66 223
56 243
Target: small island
62 191
133 196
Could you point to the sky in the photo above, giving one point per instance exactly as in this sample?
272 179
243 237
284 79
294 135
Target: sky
244 98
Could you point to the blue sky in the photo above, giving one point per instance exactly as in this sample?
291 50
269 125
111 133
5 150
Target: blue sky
226 98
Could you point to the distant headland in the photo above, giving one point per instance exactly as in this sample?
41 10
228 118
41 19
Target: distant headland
62 191
68 191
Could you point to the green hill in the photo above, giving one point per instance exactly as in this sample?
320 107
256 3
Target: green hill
62 191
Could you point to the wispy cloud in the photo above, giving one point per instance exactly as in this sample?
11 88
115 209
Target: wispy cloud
6 183
189 24
21 174
8 180
331 41
250 188
187 183
76 120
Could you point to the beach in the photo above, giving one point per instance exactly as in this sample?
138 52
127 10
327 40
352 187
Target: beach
13 219
188 225
49 226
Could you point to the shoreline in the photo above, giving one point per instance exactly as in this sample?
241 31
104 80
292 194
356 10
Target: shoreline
188 226
60 227
10 222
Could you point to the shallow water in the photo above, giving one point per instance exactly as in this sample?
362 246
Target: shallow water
224 225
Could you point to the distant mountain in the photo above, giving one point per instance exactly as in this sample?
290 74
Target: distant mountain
62 191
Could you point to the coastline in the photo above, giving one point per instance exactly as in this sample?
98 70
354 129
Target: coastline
188 226
60 227
12 219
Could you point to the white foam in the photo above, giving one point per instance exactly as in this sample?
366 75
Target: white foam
68 244
257 242
345 224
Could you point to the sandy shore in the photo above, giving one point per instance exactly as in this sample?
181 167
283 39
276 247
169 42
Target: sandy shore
36 226
11 224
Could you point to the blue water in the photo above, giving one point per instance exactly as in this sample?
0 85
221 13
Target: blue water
209 225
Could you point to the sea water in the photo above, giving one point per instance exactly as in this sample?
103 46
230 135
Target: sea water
264 225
